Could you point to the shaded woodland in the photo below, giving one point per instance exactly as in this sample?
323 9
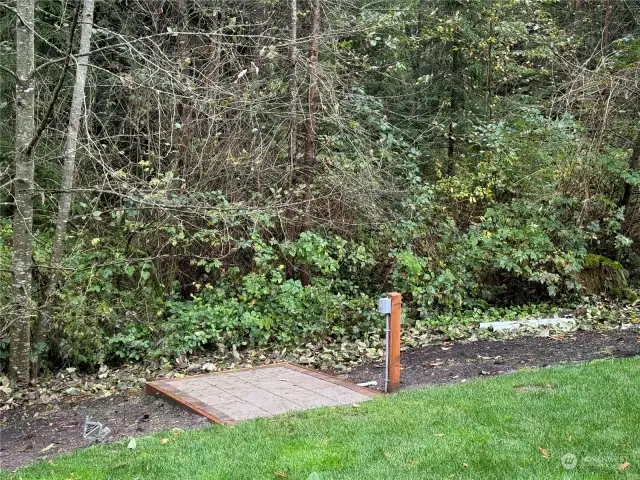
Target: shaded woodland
180 175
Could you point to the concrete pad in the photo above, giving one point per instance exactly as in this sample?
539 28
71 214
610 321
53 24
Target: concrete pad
515 325
229 397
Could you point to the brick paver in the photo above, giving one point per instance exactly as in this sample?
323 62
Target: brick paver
228 397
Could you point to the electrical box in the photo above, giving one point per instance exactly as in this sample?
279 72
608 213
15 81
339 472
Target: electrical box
384 306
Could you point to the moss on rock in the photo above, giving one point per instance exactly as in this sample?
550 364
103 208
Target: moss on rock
603 275
625 294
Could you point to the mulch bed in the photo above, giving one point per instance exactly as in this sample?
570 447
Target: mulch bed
449 363
42 431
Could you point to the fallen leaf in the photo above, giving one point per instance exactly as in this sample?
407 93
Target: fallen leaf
569 438
164 441
281 474
326 442
438 434
48 447
558 337
545 453
357 405
241 74
387 454
624 466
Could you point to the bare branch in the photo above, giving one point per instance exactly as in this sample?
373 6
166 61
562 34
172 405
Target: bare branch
58 87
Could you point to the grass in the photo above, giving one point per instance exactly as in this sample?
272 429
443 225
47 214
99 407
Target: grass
483 429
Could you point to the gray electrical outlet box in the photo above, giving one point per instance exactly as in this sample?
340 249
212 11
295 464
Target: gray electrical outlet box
384 306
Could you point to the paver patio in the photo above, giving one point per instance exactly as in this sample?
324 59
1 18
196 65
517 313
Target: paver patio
228 397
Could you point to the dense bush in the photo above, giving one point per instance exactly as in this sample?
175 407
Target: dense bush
522 245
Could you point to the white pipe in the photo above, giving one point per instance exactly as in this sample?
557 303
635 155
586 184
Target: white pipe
386 370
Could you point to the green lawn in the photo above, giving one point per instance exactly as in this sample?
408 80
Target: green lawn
481 430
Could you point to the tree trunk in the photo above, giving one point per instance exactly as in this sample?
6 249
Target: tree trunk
490 64
23 194
291 226
310 141
607 23
293 83
634 164
68 172
455 105
417 61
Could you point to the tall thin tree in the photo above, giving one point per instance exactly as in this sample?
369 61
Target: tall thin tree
456 101
293 82
24 311
606 31
292 227
68 169
311 127
490 63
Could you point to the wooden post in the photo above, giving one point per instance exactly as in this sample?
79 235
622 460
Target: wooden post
394 343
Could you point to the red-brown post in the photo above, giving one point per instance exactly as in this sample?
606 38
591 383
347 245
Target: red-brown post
394 341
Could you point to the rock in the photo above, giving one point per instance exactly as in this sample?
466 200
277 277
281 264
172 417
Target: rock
513 326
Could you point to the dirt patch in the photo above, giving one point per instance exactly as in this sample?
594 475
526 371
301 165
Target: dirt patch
449 363
43 431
